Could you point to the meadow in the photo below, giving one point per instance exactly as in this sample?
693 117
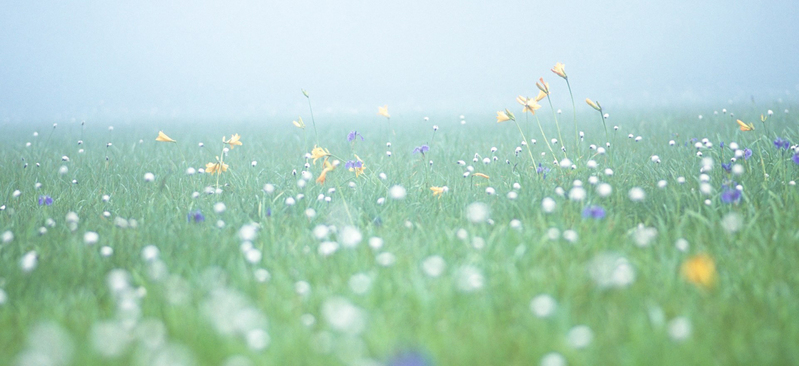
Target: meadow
455 245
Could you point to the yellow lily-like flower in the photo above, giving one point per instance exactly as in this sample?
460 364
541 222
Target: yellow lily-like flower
318 152
438 191
763 118
163 137
560 70
383 111
700 270
530 105
541 95
234 141
481 175
299 123
503 116
593 104
542 86
217 167
323 176
745 126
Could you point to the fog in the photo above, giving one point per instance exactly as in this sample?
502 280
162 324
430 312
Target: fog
250 59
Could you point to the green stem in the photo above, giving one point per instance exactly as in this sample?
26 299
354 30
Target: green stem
313 121
545 138
555 115
574 113
529 151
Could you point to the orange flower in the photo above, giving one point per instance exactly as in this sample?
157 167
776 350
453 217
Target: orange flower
560 70
700 270
481 175
542 86
541 95
593 104
217 167
319 152
530 105
323 176
502 117
438 191
163 137
746 127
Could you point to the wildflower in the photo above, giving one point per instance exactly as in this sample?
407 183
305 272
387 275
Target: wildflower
594 212
352 135
530 105
355 166
541 95
542 169
727 167
745 127
421 149
560 70
795 158
779 143
747 154
730 195
163 137
234 140
195 216
542 86
504 116
318 152
299 123
383 111
481 175
217 167
438 191
700 270
323 176
45 200
593 104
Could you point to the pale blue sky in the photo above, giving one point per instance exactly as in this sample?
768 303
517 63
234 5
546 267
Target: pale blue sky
249 59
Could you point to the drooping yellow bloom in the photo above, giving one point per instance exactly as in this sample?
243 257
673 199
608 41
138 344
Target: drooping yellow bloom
593 104
163 137
529 104
437 191
746 127
299 123
560 70
542 86
502 117
700 270
217 167
541 95
318 152
481 175
234 141
763 118
383 111
323 176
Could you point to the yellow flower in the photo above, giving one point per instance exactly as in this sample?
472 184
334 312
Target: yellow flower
541 95
502 117
529 104
593 104
746 127
300 123
700 270
305 93
318 152
383 111
543 86
481 175
763 118
560 70
323 176
234 140
437 191
163 137
217 167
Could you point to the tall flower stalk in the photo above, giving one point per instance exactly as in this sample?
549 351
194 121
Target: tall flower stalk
508 116
544 88
560 70
313 121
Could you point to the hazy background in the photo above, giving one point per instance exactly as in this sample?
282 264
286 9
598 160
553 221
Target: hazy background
249 59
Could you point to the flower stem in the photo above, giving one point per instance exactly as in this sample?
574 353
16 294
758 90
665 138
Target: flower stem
574 113
525 142
555 115
545 138
313 121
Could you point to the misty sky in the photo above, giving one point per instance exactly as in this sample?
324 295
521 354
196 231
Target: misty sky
249 59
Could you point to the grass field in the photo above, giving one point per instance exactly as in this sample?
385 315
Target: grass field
566 265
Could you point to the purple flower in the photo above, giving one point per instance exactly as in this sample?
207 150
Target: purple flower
727 167
594 212
45 200
779 143
721 144
351 164
730 195
747 153
795 158
352 135
409 359
542 169
421 149
196 216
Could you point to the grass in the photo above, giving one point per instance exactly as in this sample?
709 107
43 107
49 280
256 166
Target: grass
201 301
